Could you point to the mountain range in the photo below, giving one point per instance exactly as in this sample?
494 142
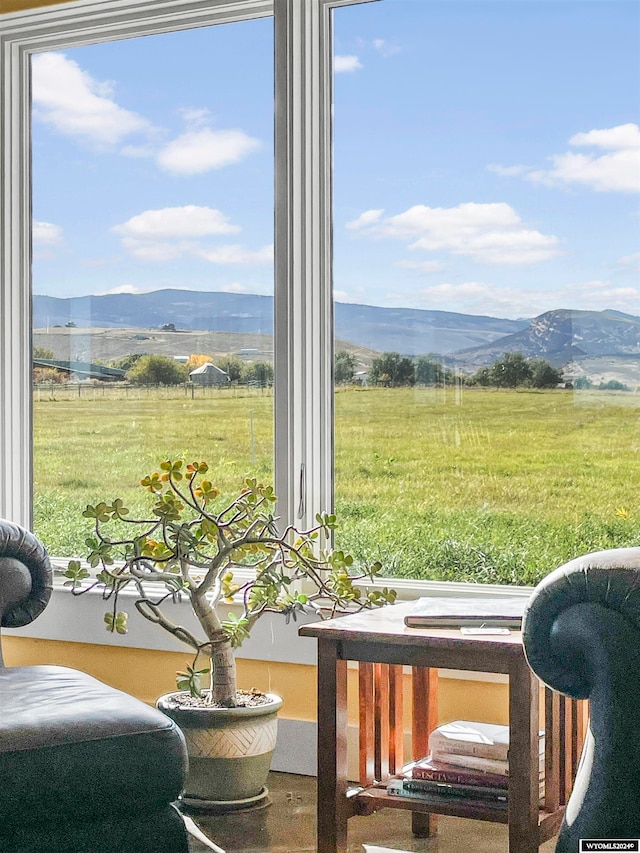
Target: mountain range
470 341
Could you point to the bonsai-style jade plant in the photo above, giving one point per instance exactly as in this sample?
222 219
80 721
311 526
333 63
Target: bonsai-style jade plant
191 545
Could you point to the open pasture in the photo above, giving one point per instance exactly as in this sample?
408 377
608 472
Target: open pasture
456 484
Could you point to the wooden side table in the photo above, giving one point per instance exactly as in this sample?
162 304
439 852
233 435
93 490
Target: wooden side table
382 645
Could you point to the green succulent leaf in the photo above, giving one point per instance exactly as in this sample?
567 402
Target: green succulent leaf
235 627
191 680
117 623
76 573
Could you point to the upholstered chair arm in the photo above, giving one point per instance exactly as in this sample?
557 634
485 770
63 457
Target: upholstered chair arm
25 576
562 650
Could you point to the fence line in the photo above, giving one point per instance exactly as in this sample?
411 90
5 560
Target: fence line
69 391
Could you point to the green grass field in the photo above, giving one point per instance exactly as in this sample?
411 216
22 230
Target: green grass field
455 484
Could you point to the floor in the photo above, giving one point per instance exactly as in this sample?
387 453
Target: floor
288 825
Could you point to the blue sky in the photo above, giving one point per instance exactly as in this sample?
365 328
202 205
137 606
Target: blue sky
487 158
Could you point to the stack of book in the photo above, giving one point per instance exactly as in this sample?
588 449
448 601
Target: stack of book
467 761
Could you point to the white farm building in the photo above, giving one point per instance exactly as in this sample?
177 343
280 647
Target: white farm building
208 374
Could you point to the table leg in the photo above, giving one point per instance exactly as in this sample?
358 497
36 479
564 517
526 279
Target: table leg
332 749
424 718
524 722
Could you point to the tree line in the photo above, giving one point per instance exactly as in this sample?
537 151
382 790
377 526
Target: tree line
389 369
392 370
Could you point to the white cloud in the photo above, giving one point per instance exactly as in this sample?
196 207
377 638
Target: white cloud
473 297
172 232
598 295
196 117
614 138
345 296
169 222
124 288
630 260
369 217
157 250
386 48
235 287
46 234
237 255
488 233
346 63
168 233
197 151
614 165
75 104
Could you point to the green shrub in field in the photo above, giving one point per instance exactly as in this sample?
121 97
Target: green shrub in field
156 370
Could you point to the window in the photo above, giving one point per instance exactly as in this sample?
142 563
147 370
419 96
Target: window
486 202
302 247
491 188
152 267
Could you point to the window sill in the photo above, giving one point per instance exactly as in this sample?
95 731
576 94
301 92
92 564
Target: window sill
80 619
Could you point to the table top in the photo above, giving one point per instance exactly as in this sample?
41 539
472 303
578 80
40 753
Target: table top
386 625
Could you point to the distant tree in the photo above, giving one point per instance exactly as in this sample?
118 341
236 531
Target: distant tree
344 367
259 373
232 367
197 360
612 385
169 327
392 369
483 377
582 383
544 375
512 370
429 371
156 370
127 361
43 352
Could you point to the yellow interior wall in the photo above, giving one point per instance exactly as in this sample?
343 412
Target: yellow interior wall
19 5
147 674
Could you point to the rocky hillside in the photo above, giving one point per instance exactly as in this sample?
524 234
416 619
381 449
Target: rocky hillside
563 336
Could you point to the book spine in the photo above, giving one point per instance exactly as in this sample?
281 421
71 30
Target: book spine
472 762
459 777
474 792
446 746
437 799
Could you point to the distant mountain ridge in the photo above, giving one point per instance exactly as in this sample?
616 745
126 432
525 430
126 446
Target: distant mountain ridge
562 336
410 331
470 341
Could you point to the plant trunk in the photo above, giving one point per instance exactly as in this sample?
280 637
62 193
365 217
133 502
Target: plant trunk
223 674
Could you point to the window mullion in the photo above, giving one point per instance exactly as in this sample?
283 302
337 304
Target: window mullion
15 300
303 261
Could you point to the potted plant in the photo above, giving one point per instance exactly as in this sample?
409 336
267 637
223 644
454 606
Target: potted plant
189 548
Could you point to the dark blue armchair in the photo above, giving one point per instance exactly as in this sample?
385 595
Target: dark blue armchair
581 635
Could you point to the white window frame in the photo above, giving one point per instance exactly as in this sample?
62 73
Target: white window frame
303 262
303 299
